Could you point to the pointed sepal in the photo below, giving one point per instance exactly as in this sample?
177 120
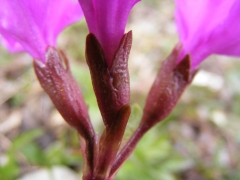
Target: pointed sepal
111 84
171 81
57 81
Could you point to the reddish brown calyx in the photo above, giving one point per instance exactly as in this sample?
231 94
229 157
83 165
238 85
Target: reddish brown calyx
111 84
171 81
57 81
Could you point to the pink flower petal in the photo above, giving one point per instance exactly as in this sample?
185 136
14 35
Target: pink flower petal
12 45
107 20
207 27
35 24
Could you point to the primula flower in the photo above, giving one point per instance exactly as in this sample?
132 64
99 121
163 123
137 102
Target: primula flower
32 25
107 19
208 27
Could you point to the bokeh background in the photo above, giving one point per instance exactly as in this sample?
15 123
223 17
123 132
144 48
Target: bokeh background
200 140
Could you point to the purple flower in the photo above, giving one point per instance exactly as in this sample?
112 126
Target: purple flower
208 27
32 25
107 20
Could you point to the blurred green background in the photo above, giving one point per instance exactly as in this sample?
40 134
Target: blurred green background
200 140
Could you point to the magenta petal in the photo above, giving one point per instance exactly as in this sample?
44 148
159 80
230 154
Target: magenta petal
35 24
230 33
11 45
207 27
107 20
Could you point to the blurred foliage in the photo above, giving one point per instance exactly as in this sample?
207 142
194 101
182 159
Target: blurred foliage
154 153
25 151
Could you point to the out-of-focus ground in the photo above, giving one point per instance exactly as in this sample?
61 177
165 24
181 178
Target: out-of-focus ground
200 140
